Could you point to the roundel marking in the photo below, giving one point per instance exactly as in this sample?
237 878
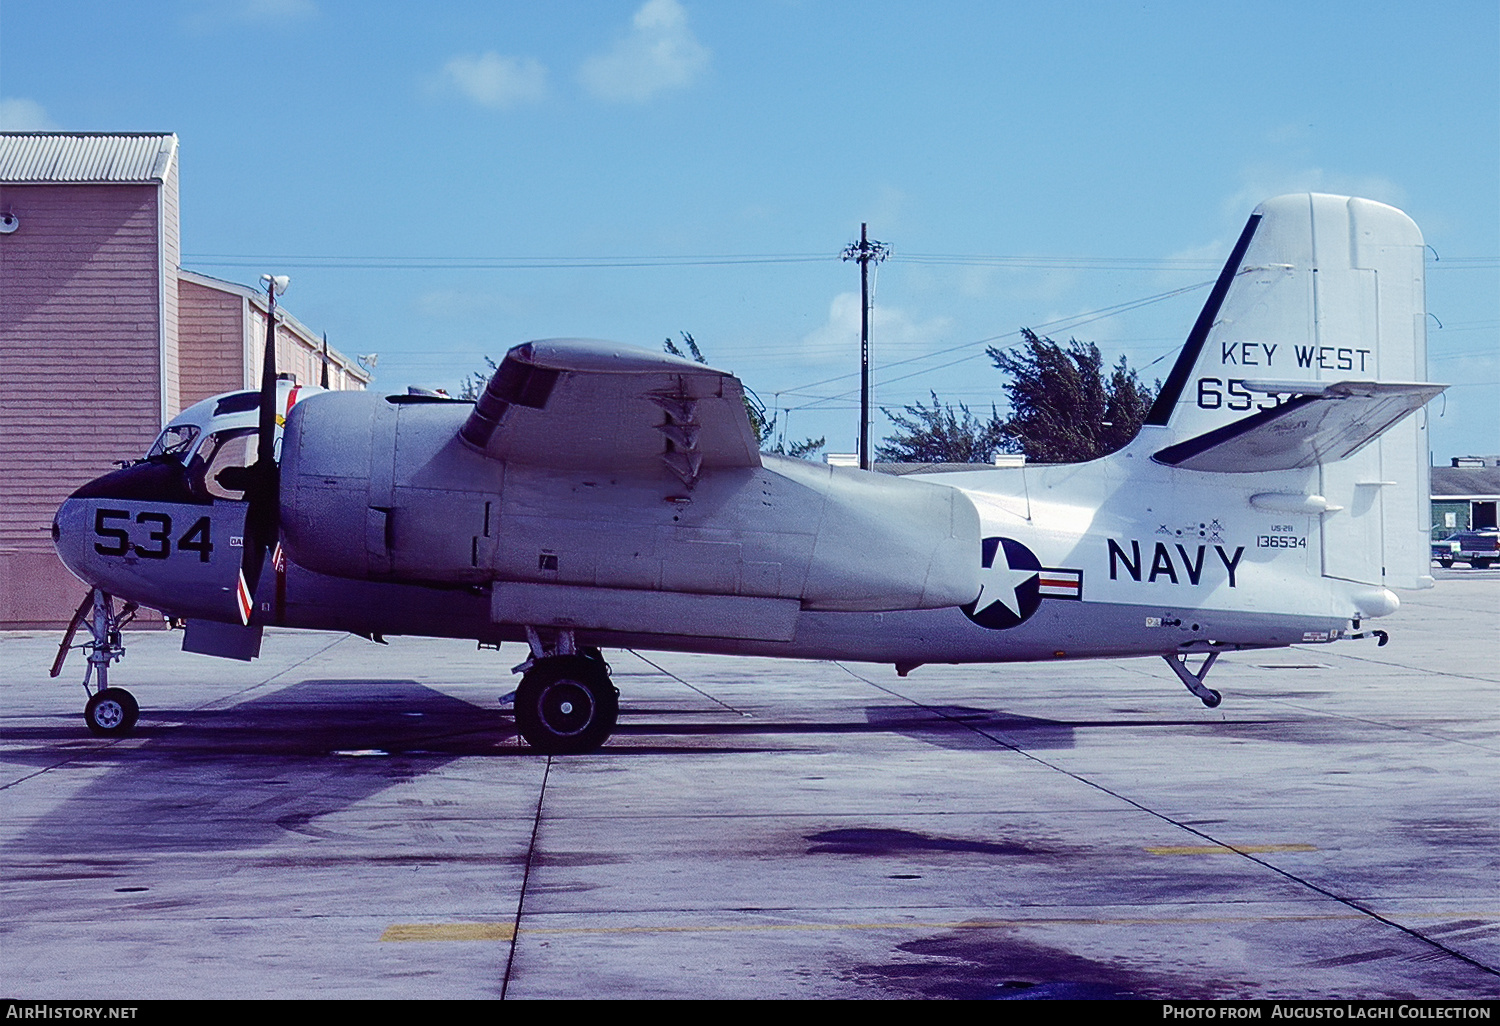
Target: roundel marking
1011 590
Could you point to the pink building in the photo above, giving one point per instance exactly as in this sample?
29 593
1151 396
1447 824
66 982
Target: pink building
223 338
103 337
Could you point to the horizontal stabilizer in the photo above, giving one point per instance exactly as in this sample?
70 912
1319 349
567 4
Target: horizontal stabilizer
1320 423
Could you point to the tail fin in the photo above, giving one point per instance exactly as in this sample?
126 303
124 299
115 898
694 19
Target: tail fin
1305 361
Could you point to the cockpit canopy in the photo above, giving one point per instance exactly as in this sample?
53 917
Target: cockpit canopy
219 435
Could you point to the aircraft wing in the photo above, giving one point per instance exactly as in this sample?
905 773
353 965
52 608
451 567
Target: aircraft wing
1320 423
587 405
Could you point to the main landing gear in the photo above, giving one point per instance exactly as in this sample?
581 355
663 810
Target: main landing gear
566 704
109 712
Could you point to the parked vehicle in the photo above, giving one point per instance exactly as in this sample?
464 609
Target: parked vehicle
1479 548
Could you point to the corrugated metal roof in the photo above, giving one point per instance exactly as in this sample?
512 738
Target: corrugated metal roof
85 156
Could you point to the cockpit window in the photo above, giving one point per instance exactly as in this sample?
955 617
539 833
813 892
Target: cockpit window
220 452
239 402
176 442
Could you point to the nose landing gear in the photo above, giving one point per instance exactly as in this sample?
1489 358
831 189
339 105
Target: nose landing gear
109 712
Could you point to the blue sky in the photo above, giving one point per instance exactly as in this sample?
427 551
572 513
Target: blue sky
444 181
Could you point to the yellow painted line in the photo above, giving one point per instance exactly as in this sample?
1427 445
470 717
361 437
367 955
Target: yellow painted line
1224 849
504 932
984 924
449 932
981 924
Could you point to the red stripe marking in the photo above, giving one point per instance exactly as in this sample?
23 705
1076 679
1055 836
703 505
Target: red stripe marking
243 595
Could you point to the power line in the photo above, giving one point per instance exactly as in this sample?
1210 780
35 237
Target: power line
1060 262
498 263
1028 262
1061 324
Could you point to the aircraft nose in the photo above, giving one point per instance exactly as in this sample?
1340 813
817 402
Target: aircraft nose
68 535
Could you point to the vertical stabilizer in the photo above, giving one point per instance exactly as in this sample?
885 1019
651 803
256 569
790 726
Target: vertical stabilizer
1320 290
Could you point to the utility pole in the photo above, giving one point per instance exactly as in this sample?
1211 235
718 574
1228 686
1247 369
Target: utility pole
866 251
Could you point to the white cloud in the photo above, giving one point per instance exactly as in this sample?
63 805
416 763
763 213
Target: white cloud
496 81
21 115
660 52
892 331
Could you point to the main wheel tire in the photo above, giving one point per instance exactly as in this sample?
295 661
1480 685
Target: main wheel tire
111 713
566 705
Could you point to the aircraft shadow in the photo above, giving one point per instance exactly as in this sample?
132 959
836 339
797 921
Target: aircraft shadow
884 842
960 727
239 777
964 727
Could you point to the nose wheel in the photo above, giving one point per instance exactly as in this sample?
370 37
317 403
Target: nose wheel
111 712
567 705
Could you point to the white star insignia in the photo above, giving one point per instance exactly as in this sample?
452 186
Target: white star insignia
1000 582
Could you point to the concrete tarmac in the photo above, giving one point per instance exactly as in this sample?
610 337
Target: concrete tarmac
341 819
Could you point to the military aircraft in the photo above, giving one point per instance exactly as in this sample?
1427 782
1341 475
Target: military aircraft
598 495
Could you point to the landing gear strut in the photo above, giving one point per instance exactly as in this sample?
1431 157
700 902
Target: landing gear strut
109 712
1194 681
566 704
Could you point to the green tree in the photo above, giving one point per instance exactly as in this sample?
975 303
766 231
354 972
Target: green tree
474 383
941 434
1063 408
